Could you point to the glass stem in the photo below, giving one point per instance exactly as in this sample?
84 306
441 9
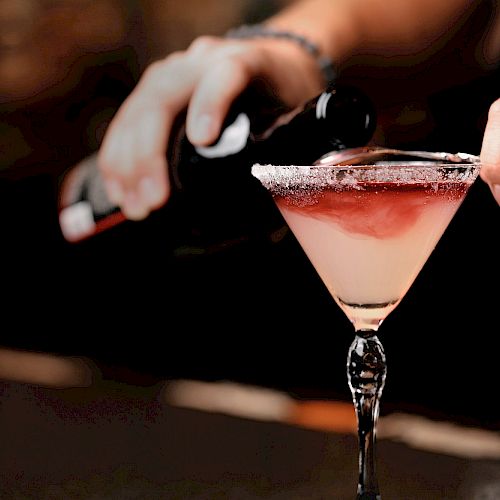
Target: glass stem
366 370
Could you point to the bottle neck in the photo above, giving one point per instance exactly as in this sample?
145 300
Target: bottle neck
339 118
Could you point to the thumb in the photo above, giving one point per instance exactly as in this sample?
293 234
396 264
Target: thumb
490 151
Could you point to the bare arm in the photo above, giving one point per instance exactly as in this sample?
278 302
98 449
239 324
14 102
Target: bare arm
381 27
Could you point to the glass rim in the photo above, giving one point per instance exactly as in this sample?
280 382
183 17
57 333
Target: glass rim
395 165
290 177
389 165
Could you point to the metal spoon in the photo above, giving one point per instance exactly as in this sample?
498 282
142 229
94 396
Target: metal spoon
355 156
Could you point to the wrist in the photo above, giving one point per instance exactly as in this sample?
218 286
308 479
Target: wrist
322 62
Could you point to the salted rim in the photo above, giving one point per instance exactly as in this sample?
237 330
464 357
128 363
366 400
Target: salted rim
289 176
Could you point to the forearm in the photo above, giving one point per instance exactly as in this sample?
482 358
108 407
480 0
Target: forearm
343 28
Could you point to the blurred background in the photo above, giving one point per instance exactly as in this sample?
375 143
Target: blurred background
141 305
157 300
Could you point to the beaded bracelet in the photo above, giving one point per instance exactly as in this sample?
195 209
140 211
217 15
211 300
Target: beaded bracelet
261 31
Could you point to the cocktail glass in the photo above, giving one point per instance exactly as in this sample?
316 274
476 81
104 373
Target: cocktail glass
368 219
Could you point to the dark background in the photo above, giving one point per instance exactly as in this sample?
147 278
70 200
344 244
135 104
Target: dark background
148 303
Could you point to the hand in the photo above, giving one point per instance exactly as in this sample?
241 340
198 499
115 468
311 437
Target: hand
205 79
490 151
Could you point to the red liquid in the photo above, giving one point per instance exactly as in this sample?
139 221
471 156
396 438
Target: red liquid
377 210
369 244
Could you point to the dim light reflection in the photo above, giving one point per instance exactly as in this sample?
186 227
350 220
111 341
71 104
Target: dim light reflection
46 370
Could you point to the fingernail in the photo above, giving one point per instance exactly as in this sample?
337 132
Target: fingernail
201 128
114 191
496 192
150 191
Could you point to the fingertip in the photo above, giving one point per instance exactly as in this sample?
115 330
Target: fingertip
202 129
132 207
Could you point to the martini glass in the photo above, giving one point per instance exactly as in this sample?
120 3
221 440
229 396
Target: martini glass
368 219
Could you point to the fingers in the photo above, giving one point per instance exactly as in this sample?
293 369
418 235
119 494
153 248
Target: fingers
211 99
132 157
133 163
205 79
490 151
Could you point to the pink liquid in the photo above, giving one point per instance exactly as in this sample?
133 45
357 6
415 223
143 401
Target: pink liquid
368 242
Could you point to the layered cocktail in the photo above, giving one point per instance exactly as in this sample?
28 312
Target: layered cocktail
368 230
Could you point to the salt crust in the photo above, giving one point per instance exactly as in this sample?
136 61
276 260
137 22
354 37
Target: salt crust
286 179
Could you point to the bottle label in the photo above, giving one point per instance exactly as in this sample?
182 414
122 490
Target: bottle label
232 140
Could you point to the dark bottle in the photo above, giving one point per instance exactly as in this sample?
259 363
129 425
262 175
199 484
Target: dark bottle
219 175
